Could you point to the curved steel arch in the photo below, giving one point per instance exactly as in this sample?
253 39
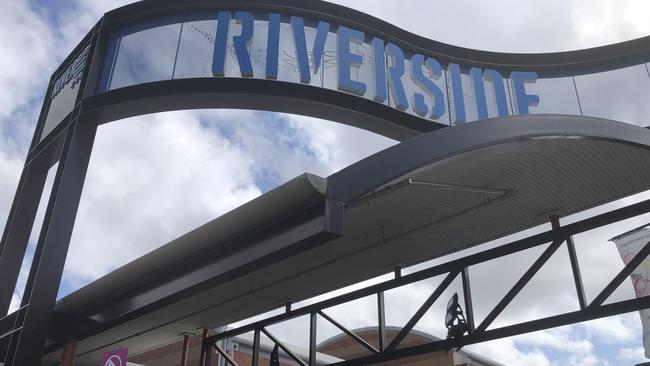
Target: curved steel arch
258 94
338 106
278 96
550 64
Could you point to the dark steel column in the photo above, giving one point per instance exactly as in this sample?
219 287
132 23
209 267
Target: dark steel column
47 267
313 322
256 348
381 320
467 294
18 229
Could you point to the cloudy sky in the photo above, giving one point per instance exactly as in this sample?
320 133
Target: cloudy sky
155 177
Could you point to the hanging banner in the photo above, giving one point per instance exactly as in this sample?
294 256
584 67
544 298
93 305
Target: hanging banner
629 244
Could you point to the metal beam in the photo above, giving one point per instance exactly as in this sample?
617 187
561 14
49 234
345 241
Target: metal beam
204 348
577 277
519 285
467 294
622 275
256 348
48 263
508 331
225 355
284 347
18 229
351 334
421 311
313 332
455 265
381 319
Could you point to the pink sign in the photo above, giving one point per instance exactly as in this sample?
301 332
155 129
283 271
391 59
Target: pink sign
116 357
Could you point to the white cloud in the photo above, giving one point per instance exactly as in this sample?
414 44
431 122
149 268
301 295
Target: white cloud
25 70
560 339
506 351
614 329
513 26
337 145
632 354
151 179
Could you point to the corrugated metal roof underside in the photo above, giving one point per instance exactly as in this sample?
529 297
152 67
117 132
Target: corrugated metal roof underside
537 178
410 223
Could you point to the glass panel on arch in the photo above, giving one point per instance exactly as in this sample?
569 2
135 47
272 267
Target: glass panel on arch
145 56
469 100
288 69
195 48
330 62
556 95
621 95
63 95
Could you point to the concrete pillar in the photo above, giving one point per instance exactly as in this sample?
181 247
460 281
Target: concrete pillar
69 355
186 346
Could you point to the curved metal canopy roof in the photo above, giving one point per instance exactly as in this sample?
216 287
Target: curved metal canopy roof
431 195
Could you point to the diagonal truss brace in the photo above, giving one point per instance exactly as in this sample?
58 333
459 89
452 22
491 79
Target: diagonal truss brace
482 332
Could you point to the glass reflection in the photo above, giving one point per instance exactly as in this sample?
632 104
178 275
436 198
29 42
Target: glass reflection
145 56
60 106
195 49
556 95
183 49
330 65
622 95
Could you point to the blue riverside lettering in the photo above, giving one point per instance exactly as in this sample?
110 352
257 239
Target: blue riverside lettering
424 71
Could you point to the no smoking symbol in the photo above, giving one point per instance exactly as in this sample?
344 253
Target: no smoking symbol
114 360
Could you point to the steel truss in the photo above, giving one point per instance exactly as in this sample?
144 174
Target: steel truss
557 236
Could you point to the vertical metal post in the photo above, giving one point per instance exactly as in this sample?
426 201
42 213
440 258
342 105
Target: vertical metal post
69 355
18 229
577 278
381 320
575 87
204 347
256 348
52 249
208 356
312 338
467 291
186 346
555 222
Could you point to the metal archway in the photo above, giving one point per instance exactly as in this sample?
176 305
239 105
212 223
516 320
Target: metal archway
70 141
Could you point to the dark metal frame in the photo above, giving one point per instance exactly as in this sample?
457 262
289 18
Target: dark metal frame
557 236
23 333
